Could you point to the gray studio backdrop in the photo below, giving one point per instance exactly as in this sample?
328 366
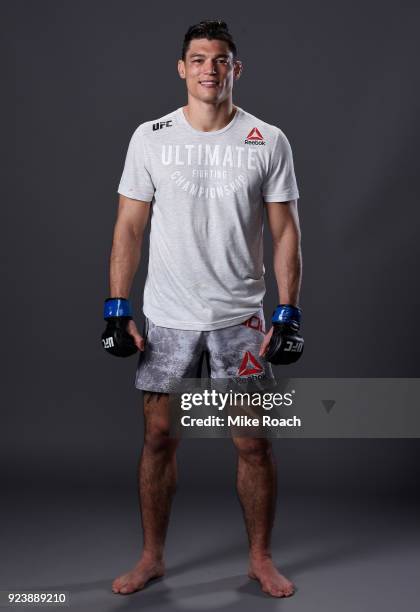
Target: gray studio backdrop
340 80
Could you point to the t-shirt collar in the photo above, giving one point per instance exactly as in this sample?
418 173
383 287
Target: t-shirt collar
184 121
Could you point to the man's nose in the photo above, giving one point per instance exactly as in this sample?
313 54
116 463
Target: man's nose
210 67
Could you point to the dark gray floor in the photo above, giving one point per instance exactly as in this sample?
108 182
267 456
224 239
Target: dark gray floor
346 554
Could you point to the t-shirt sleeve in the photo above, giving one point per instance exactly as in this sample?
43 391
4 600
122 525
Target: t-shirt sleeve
280 183
136 181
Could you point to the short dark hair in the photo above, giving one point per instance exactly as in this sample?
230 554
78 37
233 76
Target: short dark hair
211 30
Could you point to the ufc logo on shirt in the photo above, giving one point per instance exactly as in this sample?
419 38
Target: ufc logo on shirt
162 124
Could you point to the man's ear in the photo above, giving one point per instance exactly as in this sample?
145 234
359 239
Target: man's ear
237 69
181 69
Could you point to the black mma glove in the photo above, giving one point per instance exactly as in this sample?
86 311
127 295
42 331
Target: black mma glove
115 339
286 345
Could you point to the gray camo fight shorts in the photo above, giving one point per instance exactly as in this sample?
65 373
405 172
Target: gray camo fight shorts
230 352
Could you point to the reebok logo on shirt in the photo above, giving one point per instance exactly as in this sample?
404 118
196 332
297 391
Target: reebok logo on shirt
254 137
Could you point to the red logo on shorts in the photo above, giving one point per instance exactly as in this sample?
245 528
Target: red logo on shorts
249 365
254 322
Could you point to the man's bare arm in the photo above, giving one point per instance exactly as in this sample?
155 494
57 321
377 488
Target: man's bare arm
283 221
126 252
126 245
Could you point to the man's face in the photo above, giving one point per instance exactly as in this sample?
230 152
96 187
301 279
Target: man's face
209 70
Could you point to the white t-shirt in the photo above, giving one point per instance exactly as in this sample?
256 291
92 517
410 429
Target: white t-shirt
207 191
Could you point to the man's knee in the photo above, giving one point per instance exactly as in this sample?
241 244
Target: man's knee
157 434
253 450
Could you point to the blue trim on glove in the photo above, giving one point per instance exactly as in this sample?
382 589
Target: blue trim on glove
285 313
117 307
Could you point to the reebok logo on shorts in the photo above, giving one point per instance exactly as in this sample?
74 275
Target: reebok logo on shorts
249 365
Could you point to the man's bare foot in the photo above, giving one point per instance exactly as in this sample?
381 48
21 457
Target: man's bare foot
139 576
272 582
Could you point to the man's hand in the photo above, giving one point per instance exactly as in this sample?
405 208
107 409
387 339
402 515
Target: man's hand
134 332
285 344
265 343
117 339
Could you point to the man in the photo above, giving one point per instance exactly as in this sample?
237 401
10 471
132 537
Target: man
207 171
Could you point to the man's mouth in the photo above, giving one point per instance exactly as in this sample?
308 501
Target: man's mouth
209 84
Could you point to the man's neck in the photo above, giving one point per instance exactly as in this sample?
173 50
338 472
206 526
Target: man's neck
209 117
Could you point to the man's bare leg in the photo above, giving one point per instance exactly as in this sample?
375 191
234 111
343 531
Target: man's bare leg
256 486
157 484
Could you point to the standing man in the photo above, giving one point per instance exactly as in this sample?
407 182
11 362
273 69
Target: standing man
206 172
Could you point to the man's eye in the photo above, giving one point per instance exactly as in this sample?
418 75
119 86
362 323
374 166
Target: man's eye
220 61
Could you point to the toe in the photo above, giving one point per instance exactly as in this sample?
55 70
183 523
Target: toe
291 586
124 586
276 591
289 591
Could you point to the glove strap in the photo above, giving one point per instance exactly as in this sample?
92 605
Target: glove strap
286 313
117 307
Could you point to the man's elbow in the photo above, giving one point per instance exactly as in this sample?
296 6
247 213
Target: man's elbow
290 235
